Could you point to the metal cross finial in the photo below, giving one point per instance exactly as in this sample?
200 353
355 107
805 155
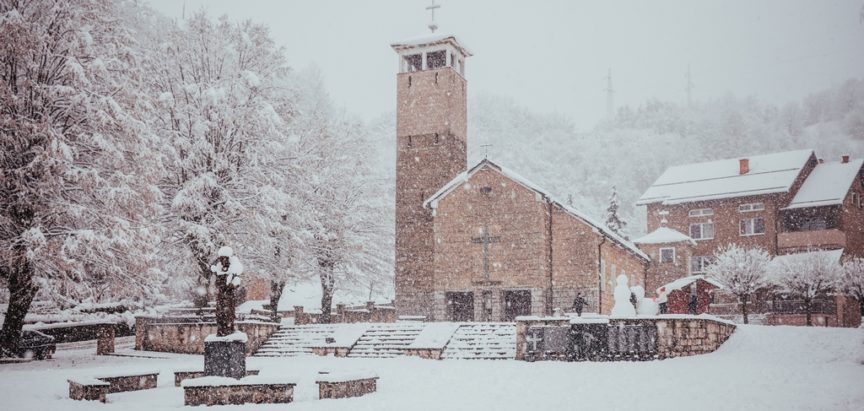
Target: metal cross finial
432 26
486 150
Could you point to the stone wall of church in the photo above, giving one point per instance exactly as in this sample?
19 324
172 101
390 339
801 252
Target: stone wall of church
574 261
515 219
431 150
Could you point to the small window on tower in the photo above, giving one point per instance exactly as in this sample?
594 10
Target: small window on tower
414 62
436 59
486 190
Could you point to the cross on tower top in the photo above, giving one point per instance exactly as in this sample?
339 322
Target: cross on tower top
432 26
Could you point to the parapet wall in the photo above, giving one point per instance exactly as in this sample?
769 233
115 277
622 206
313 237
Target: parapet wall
617 339
181 336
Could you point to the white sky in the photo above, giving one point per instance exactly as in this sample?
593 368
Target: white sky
552 55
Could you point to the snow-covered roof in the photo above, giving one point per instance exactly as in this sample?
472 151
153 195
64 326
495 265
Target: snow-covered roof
834 255
664 235
828 184
432 39
432 201
683 282
768 173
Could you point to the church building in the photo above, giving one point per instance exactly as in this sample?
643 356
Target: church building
483 243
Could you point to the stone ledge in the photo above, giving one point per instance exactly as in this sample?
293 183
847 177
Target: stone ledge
227 391
331 386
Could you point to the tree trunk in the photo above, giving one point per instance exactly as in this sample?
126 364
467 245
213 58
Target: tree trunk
21 293
276 288
744 299
327 282
807 309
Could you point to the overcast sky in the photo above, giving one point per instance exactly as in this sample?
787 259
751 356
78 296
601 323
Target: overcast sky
552 55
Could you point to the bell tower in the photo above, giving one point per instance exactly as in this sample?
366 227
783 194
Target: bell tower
431 128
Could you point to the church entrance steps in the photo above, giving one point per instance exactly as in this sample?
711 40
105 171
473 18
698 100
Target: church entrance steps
482 341
386 340
293 340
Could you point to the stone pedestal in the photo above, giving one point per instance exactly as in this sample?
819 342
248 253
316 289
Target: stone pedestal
105 340
225 358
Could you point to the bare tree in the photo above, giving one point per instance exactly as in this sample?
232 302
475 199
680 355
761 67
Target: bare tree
807 275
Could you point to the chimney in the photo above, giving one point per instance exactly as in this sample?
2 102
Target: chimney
844 158
744 166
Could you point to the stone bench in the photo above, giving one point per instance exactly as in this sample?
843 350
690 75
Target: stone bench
228 391
182 375
130 382
88 389
344 385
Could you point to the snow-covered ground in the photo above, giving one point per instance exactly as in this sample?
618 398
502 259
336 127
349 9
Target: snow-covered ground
759 368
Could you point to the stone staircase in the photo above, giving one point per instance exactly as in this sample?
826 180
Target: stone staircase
293 340
482 341
386 340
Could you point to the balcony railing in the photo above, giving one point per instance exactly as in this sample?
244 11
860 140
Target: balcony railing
815 239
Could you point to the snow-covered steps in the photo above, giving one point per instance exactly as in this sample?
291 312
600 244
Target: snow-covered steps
482 341
386 340
293 340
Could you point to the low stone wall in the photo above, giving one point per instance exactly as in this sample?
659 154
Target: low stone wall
130 382
524 323
168 335
619 339
681 337
370 313
238 393
345 386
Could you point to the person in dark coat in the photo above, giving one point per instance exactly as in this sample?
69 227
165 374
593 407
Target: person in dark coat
693 305
579 303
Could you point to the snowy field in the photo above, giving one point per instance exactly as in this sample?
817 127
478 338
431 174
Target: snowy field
759 368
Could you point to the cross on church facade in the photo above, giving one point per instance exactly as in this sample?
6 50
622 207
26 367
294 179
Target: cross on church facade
485 239
432 26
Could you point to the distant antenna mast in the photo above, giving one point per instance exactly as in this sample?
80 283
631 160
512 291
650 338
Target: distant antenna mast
432 26
610 95
689 88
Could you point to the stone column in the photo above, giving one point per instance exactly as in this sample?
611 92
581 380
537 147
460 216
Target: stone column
105 340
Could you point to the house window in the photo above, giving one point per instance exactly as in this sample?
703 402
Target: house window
702 231
436 59
751 207
752 226
698 264
701 212
667 255
856 200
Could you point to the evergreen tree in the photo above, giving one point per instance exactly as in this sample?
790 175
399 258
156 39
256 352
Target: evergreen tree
613 220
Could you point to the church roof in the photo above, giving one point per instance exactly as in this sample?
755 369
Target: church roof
768 173
430 40
664 235
432 201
